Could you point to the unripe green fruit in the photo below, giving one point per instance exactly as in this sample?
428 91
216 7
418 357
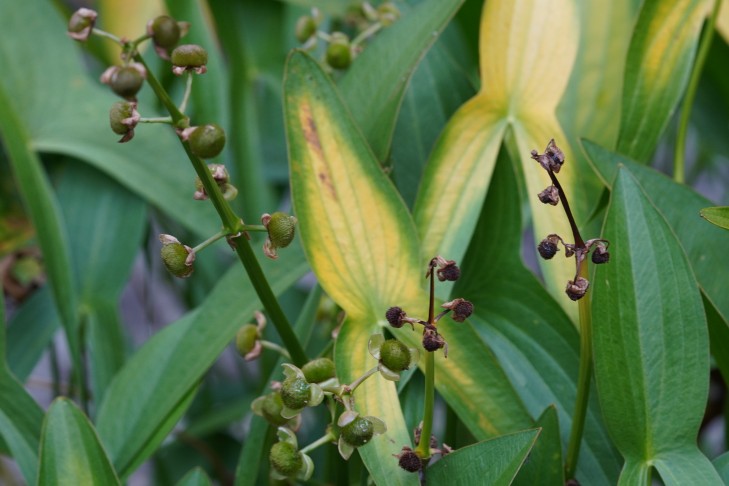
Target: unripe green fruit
189 56
339 55
271 409
165 31
207 141
126 82
174 256
319 370
245 339
281 229
120 111
395 355
305 28
358 432
285 459
295 393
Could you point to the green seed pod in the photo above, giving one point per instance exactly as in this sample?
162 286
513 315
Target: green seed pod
126 81
207 141
281 229
285 459
319 370
245 339
120 114
388 13
305 28
165 31
358 432
295 393
339 55
395 355
81 24
271 409
175 258
189 56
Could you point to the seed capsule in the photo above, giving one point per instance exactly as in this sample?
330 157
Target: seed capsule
339 54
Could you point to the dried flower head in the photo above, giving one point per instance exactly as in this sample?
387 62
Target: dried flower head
549 196
577 288
552 158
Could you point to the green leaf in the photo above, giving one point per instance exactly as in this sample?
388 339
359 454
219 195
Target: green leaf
650 339
375 83
660 59
717 215
195 477
705 245
162 375
70 449
356 231
63 116
105 344
536 344
545 459
721 464
523 79
492 462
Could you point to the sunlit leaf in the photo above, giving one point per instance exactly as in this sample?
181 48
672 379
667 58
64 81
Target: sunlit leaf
717 215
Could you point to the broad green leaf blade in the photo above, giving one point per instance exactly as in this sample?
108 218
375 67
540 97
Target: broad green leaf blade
68 116
163 373
536 344
70 449
492 462
375 83
376 397
717 215
704 244
196 477
688 466
105 344
650 336
721 464
657 69
718 336
42 206
545 459
356 231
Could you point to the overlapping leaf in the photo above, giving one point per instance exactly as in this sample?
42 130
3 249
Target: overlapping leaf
650 341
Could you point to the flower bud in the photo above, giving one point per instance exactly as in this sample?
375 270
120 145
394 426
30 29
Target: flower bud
576 289
547 248
394 316
319 370
189 57
600 254
246 339
395 355
286 459
358 432
305 28
123 118
177 258
295 393
81 24
281 231
339 54
549 196
206 141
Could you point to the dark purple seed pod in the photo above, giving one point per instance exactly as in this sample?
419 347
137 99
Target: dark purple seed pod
432 341
449 272
547 248
394 316
409 460
600 255
549 196
462 310
578 288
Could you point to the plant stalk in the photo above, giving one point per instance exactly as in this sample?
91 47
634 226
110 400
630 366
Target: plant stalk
423 447
583 381
679 158
232 224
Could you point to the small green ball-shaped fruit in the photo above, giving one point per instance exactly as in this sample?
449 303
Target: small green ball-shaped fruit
318 370
126 82
245 339
395 355
207 141
388 13
281 229
358 432
305 28
339 55
174 256
189 56
295 393
271 409
285 459
165 31
120 111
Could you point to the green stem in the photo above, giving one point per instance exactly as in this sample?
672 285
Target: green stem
188 90
366 34
688 100
232 224
108 35
423 449
275 347
583 381
209 241
161 119
353 386
326 439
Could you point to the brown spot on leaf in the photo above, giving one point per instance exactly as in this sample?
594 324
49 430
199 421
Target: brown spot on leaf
313 141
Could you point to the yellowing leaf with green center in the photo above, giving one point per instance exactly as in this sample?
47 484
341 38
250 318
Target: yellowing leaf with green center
527 49
657 70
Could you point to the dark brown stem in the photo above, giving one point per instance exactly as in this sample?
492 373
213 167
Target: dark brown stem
579 242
